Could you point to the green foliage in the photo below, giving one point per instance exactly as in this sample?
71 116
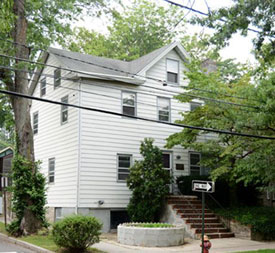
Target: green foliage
141 28
149 183
234 157
28 192
261 219
76 233
234 194
151 225
256 14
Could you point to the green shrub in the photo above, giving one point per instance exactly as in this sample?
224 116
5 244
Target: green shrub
149 183
28 196
76 233
150 225
225 194
261 219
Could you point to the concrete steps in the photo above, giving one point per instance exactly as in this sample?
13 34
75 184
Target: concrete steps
189 208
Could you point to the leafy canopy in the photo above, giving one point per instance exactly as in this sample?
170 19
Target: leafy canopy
233 157
139 29
255 14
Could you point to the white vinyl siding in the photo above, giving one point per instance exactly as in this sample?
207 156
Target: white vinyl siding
64 110
163 109
124 162
59 142
35 122
129 103
43 88
172 69
51 170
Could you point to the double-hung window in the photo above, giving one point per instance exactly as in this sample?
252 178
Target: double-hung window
51 170
172 68
57 78
35 122
43 87
194 105
124 163
64 110
129 103
164 109
194 160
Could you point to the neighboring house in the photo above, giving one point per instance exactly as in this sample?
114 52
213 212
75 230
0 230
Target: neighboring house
6 156
86 155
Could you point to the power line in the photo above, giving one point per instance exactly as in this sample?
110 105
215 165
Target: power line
132 74
12 93
111 87
205 14
117 70
80 72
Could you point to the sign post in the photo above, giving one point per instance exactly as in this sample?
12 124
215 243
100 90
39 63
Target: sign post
203 186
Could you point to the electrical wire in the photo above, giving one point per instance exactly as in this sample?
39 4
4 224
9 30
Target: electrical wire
89 74
12 93
205 14
132 74
157 94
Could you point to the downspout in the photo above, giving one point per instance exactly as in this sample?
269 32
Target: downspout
79 149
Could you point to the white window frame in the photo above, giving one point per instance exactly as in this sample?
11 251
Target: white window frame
178 71
57 79
135 102
190 165
51 171
64 109
124 173
35 122
169 109
43 88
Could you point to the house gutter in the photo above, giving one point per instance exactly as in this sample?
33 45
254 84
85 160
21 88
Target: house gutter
79 148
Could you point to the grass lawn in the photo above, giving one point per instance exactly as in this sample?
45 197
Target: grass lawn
260 251
43 241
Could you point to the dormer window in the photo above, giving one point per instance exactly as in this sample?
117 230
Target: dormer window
172 68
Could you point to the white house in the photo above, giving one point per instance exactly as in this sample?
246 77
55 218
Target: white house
85 155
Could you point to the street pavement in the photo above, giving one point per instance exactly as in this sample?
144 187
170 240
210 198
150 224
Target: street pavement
225 245
8 247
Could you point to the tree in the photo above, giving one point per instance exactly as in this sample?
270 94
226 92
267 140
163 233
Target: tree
149 183
233 157
26 26
138 30
242 16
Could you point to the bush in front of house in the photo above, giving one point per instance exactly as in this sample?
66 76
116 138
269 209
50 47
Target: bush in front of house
76 233
149 183
261 219
234 194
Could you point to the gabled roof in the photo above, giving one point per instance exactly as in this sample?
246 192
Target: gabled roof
108 69
6 151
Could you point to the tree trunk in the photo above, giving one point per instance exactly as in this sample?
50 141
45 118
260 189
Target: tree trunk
21 107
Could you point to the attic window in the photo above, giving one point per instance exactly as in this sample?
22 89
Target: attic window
172 68
57 78
43 87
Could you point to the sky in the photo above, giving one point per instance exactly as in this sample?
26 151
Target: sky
240 47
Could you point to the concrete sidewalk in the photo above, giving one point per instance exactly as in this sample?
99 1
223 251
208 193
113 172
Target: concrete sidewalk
191 246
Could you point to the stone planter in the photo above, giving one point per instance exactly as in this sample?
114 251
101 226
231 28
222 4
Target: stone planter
130 234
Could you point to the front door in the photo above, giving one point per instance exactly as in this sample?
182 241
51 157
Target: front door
167 165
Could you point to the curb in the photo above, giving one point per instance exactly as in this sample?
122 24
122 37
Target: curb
24 244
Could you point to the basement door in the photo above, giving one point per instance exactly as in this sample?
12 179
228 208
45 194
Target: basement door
167 164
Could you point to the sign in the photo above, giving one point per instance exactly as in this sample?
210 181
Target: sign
203 186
